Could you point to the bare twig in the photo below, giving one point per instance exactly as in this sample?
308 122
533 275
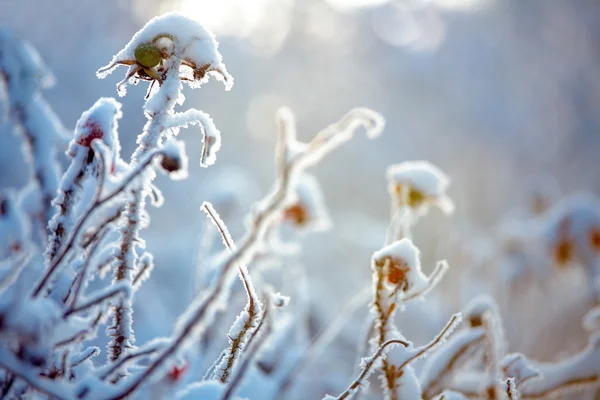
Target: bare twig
351 390
260 222
59 391
237 378
252 309
142 352
96 204
116 291
448 329
82 276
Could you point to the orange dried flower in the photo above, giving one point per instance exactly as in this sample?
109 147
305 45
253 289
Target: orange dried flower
563 252
296 213
396 272
594 238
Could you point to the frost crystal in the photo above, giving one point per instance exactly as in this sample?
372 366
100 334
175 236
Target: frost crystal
174 36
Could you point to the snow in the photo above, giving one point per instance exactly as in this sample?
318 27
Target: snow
211 135
307 211
39 330
191 43
25 76
591 321
517 366
211 389
405 255
174 159
423 177
580 370
442 364
14 226
450 395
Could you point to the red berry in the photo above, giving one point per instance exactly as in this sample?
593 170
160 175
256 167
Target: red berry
92 130
176 372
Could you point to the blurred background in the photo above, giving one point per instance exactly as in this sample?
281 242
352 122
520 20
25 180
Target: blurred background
501 95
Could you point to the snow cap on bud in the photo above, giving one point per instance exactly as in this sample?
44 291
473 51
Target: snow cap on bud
174 35
571 231
418 184
401 266
174 161
307 210
99 122
475 310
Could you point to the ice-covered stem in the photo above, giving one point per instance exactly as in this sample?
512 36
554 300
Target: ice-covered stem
237 377
397 277
414 354
96 204
238 335
483 332
114 291
494 351
187 43
446 361
384 306
82 334
24 75
581 371
97 123
81 277
519 368
368 366
306 155
146 350
143 270
55 390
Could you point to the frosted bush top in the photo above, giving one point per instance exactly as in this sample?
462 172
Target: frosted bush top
404 253
184 38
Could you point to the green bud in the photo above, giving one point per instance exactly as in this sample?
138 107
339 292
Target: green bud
147 55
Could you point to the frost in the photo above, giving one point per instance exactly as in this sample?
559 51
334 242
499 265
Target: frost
174 159
59 237
404 266
176 35
14 226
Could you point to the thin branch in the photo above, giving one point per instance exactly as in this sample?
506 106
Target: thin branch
349 392
260 222
11 275
83 272
97 203
89 238
237 378
48 387
432 280
443 335
80 336
252 309
142 352
140 273
119 290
